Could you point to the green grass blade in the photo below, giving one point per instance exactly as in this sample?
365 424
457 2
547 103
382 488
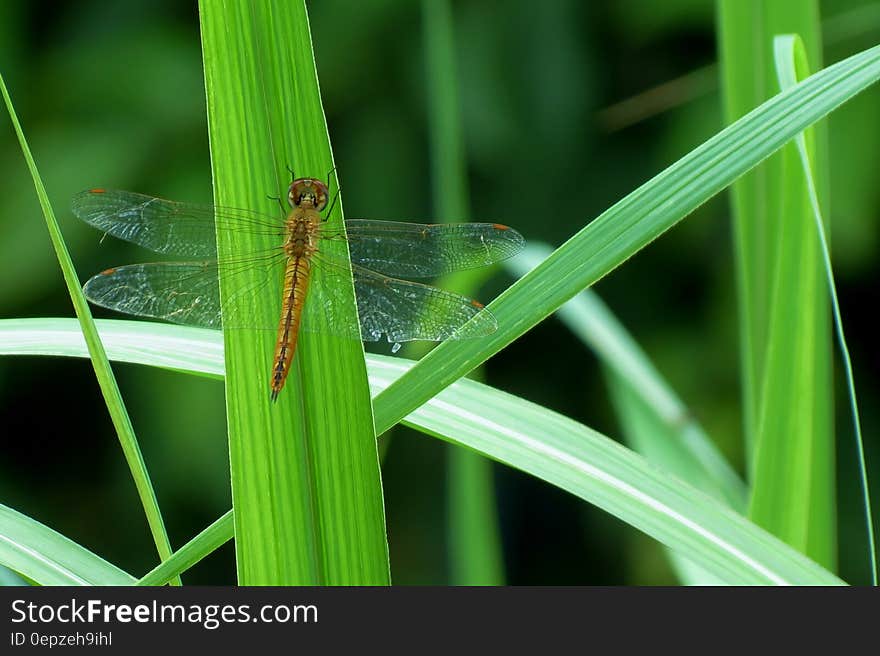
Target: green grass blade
746 29
475 556
305 473
631 224
103 373
593 467
177 348
643 430
9 578
791 65
48 558
653 420
205 543
671 437
568 455
783 301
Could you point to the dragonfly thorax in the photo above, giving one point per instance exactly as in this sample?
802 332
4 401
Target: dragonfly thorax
301 232
307 193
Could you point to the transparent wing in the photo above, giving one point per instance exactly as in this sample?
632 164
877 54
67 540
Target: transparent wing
408 250
165 226
187 292
396 310
417 250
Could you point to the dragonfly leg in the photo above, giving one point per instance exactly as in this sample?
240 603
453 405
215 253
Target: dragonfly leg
336 195
278 200
332 204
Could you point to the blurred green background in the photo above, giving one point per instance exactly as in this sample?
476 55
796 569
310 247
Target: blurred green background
111 94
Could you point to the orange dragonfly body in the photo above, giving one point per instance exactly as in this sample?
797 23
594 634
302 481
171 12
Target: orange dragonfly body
307 197
382 253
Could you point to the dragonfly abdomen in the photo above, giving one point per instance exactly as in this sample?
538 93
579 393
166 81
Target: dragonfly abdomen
296 285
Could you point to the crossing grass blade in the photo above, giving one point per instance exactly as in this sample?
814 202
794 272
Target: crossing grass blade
655 421
791 65
103 373
306 487
205 543
783 299
631 224
475 556
746 29
544 444
46 557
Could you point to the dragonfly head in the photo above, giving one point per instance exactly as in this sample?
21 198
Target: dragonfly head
308 192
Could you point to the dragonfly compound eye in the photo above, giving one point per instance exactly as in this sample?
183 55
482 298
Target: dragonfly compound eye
308 191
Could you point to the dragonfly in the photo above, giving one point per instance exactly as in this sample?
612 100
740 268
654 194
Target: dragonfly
307 272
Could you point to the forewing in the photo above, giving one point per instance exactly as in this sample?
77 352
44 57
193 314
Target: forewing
165 226
416 250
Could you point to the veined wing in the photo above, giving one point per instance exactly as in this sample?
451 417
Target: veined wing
166 226
415 250
391 309
404 311
188 292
